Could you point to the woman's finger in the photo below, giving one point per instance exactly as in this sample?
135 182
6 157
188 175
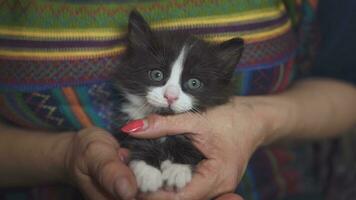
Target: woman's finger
124 155
229 196
159 195
209 181
157 126
110 172
105 164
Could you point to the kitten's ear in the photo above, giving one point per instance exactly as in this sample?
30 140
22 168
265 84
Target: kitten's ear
139 32
230 53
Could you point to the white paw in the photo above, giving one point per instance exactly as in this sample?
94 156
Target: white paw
149 178
176 175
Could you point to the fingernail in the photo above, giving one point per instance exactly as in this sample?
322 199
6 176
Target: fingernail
122 189
122 158
135 126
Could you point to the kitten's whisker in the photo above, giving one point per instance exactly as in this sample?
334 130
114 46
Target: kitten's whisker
138 110
193 114
156 98
198 113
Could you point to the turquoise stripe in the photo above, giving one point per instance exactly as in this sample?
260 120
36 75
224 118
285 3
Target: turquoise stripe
88 107
64 107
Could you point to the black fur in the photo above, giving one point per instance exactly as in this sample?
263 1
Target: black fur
178 149
213 64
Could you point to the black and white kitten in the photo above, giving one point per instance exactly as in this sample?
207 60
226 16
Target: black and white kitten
166 72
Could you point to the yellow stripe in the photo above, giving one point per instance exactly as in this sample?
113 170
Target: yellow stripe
224 19
61 55
116 50
115 33
253 37
58 34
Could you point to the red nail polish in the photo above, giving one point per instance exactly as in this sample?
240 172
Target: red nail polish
134 126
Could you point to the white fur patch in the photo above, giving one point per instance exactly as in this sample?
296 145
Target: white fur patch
162 139
176 175
137 108
148 178
184 102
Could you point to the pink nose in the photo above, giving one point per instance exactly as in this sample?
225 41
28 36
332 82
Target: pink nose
170 99
171 94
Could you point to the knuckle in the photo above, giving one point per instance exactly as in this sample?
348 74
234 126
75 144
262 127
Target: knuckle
93 138
91 148
91 131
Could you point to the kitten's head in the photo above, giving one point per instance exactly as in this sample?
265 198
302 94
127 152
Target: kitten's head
176 72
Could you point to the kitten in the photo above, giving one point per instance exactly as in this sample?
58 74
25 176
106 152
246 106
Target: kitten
167 72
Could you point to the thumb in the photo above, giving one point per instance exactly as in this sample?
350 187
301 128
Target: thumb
158 126
229 196
106 168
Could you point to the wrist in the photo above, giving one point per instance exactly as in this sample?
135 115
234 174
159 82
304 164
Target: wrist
275 115
279 116
57 152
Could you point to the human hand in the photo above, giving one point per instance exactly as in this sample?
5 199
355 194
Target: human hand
227 135
96 165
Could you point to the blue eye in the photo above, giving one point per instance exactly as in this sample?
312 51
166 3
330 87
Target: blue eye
194 84
155 75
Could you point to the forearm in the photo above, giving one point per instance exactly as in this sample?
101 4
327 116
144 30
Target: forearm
31 157
311 109
322 108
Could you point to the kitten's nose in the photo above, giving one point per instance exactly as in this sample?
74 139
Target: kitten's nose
171 94
170 99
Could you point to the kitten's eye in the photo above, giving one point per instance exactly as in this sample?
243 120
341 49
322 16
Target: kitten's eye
155 75
194 84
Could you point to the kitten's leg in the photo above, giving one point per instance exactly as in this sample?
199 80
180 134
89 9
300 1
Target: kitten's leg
148 178
176 175
182 157
145 159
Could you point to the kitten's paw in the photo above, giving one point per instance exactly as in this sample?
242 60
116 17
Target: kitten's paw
149 178
176 175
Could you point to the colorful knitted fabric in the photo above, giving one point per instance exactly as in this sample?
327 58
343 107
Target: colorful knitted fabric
57 57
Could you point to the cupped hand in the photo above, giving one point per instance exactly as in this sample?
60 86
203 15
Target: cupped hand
95 164
227 135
